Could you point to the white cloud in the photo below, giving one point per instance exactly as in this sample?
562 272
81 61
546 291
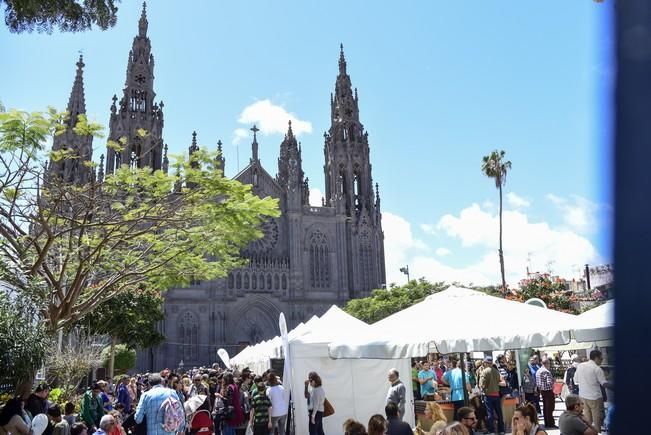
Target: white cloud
399 246
315 197
525 243
271 118
579 214
442 252
516 201
428 229
239 134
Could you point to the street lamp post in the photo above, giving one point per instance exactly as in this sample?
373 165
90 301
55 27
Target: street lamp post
405 270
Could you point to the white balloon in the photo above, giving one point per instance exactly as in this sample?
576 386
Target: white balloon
39 424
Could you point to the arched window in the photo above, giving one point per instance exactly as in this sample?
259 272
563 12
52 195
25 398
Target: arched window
284 282
246 281
231 280
254 281
269 281
261 281
319 260
238 281
276 282
189 336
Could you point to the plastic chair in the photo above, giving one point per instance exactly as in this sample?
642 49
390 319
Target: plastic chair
201 423
558 389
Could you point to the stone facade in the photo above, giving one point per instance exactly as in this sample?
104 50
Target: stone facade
310 257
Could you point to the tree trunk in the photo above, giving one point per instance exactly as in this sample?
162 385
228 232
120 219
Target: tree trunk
112 358
501 252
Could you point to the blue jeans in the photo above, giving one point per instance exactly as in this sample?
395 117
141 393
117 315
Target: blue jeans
228 430
494 409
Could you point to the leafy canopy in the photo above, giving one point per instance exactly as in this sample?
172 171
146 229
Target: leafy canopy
131 317
64 15
87 243
384 302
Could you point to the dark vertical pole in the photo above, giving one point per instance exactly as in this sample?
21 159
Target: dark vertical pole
587 276
632 206
462 361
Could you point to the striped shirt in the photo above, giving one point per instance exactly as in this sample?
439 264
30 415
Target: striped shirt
260 404
544 379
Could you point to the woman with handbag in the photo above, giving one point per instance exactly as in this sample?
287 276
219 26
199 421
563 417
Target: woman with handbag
230 395
316 402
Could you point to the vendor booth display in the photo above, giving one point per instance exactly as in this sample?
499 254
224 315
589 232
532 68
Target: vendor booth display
355 388
465 321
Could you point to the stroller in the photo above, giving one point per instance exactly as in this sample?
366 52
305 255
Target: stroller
201 423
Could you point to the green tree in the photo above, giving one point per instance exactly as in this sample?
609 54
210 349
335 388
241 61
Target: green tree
129 318
384 302
23 332
65 15
85 244
125 357
496 167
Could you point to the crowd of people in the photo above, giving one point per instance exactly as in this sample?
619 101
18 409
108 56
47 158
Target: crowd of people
234 402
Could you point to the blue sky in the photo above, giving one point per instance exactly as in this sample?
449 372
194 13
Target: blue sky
440 85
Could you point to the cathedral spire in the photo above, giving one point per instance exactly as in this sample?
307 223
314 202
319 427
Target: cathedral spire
342 60
220 160
143 23
77 102
290 166
73 168
193 148
254 144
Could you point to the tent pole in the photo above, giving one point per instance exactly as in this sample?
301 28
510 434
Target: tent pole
462 362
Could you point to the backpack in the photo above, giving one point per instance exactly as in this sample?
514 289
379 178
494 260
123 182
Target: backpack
574 389
173 414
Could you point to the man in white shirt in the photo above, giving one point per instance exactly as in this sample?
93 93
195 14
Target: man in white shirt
590 378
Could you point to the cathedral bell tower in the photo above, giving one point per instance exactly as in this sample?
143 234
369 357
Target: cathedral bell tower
136 111
349 187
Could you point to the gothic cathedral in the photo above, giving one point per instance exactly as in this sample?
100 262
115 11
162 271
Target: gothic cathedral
310 257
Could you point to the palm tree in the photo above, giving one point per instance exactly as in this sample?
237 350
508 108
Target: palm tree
494 166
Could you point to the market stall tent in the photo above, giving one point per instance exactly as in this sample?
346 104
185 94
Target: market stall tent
355 387
458 320
593 329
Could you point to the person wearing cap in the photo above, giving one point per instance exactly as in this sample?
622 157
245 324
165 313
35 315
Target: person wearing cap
489 381
572 421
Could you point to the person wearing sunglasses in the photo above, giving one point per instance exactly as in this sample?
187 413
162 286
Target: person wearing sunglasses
467 418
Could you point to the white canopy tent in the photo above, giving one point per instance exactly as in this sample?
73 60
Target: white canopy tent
459 320
594 328
258 357
355 387
597 323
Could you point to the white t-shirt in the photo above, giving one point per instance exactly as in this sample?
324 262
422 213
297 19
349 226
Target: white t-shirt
278 404
589 377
